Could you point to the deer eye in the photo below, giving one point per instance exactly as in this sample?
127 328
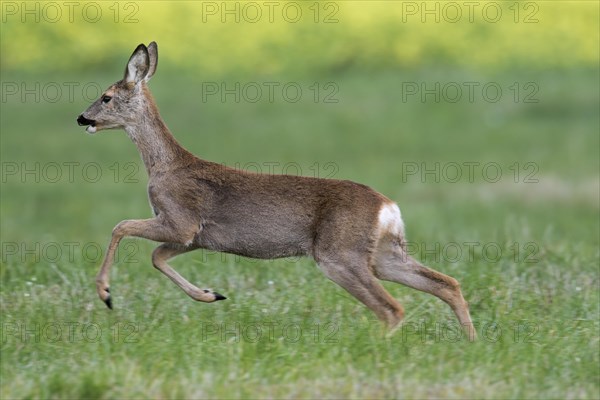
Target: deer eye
106 99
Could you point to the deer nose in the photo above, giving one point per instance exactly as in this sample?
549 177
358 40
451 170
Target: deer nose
81 120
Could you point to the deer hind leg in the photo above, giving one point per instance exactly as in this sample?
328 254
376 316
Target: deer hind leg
358 280
391 263
169 250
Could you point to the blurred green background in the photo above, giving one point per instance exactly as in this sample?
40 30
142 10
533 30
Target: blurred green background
305 37
395 95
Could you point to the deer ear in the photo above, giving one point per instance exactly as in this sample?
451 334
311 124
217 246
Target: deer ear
138 65
153 53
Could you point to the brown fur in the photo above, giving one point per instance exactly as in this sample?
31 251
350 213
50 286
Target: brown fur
201 204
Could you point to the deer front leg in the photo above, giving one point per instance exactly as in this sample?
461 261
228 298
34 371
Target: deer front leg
152 229
169 250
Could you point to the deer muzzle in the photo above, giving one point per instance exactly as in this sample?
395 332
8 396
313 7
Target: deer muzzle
83 121
91 124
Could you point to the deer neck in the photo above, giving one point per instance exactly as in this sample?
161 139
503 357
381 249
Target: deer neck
157 146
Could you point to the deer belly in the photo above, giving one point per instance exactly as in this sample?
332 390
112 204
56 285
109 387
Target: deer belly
255 242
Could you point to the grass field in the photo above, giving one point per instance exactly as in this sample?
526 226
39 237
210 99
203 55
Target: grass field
503 196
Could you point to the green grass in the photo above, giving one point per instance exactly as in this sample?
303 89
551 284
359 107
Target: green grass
535 304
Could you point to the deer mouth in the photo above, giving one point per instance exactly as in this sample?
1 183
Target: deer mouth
91 128
90 123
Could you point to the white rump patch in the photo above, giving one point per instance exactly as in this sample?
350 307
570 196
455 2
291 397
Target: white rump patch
390 220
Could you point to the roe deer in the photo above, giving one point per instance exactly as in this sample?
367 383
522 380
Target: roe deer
355 234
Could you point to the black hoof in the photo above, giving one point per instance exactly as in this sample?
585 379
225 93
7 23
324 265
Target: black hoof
108 302
219 296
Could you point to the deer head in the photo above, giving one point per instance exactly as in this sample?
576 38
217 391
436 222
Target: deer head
124 101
